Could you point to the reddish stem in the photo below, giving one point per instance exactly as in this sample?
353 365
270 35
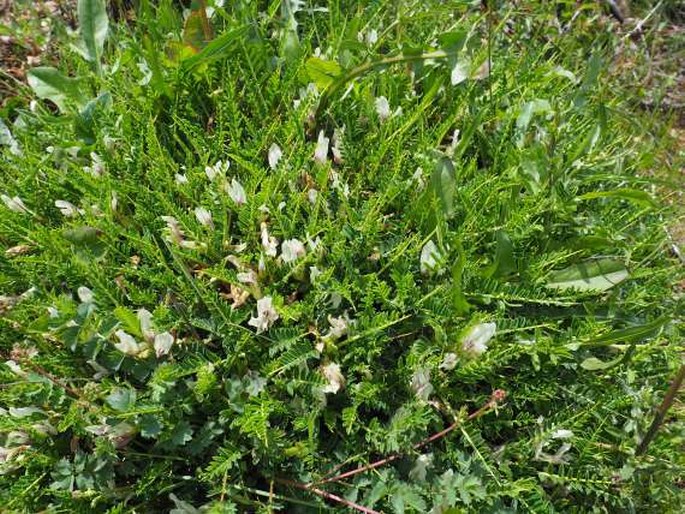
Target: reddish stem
497 396
327 495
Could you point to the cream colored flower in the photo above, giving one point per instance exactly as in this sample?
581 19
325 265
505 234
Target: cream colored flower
476 340
236 191
336 380
127 344
382 108
321 150
68 209
275 155
292 249
266 315
430 257
270 244
163 343
14 204
204 216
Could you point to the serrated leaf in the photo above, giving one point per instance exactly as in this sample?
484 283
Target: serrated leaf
322 72
597 276
93 25
48 83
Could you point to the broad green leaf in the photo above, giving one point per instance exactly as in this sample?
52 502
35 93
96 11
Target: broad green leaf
93 25
504 262
85 123
443 182
597 275
49 83
220 47
121 399
595 364
322 72
633 195
628 335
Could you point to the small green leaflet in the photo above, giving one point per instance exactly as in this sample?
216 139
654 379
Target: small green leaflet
590 276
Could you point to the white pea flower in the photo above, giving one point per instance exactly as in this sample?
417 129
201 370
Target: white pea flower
145 320
321 150
371 37
340 326
68 209
292 249
236 191
460 73
97 167
53 312
453 145
430 257
383 108
476 340
85 294
247 277
419 470
562 434
204 217
281 206
275 155
337 148
163 343
421 385
220 168
270 244
266 315
314 273
336 380
180 179
312 195
173 227
339 185
14 204
449 362
127 344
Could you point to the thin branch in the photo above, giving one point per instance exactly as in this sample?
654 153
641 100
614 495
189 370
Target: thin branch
497 396
326 495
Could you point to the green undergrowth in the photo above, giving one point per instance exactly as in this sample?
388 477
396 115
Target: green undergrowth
237 267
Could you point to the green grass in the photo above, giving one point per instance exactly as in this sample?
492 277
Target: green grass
523 183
